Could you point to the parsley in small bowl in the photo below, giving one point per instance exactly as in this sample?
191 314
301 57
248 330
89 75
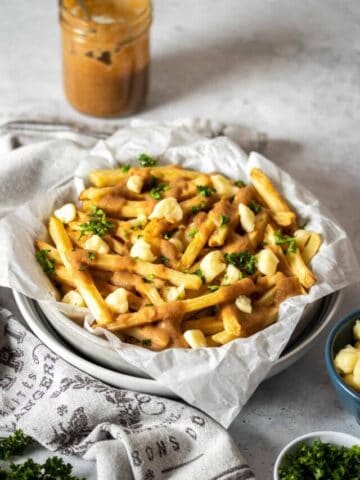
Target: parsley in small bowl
320 456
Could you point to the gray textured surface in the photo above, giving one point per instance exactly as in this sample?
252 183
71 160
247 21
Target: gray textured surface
291 69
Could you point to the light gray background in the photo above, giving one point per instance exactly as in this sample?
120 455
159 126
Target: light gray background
291 69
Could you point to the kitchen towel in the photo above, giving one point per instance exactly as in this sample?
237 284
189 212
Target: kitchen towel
128 434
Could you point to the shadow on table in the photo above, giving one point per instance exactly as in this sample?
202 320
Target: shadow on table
180 73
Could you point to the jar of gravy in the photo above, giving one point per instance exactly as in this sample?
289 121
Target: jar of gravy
106 58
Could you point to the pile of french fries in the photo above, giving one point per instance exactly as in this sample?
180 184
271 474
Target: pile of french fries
167 257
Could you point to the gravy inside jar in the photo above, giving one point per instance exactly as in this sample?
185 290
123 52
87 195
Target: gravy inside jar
106 55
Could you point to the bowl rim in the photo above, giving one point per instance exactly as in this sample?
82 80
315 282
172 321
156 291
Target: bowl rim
328 353
306 436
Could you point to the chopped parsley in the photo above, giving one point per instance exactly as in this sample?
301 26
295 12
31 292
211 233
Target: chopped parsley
224 220
47 263
157 192
213 288
281 239
97 224
125 168
164 260
15 444
198 208
321 461
302 227
199 273
244 261
146 342
255 207
54 468
146 160
240 183
205 191
191 233
91 255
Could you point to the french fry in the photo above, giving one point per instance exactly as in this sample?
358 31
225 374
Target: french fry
177 309
120 207
268 298
269 193
151 336
147 270
311 248
223 337
260 318
196 245
208 325
82 279
300 270
229 315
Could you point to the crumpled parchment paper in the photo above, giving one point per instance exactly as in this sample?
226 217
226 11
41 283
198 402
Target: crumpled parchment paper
220 380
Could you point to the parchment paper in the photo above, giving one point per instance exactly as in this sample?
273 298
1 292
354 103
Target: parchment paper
220 380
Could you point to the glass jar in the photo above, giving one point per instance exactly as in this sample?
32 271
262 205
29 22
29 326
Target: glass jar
106 56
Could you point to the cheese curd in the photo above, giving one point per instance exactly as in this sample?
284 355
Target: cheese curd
223 186
73 298
96 244
243 303
67 213
247 218
135 183
267 262
232 275
142 250
171 294
212 265
347 361
195 338
117 301
169 209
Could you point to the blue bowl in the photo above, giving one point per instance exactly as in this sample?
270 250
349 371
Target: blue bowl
340 336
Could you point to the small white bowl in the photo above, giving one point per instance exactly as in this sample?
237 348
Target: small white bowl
335 438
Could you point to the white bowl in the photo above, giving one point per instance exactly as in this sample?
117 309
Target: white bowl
43 328
335 438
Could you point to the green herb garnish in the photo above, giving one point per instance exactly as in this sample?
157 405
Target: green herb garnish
97 224
191 233
199 273
146 342
91 255
146 161
224 220
164 260
281 239
240 183
198 208
321 461
205 191
125 168
157 192
54 468
243 261
15 444
213 288
47 263
255 207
